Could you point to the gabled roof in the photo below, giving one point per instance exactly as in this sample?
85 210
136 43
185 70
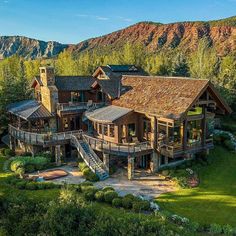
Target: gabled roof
69 83
117 71
107 114
29 110
73 83
111 86
161 96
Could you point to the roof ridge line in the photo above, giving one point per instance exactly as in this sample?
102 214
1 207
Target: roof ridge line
168 77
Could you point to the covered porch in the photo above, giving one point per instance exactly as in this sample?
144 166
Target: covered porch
32 116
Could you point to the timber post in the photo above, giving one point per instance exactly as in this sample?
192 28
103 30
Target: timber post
58 155
154 162
106 160
130 168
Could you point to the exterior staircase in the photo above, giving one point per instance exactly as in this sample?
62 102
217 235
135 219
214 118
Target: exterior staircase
90 157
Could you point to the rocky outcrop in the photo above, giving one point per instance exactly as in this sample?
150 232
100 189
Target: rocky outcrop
156 37
29 48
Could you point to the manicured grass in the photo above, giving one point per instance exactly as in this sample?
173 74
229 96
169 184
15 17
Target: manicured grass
214 201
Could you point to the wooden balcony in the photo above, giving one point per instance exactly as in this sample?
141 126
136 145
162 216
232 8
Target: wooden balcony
177 149
41 139
119 149
77 106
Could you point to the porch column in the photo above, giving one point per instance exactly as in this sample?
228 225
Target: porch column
106 160
185 123
12 143
154 132
154 162
58 154
204 127
166 160
130 168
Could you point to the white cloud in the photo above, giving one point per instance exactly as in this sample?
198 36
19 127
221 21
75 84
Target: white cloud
92 17
101 18
125 19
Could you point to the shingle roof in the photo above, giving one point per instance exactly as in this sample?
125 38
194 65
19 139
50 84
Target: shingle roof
110 87
161 96
29 109
115 73
107 114
72 83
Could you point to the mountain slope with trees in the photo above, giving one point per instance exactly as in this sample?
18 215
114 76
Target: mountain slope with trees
156 37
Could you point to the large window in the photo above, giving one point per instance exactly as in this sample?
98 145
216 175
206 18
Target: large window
111 129
77 96
131 129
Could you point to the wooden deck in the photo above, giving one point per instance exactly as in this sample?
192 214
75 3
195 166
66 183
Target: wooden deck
119 149
178 150
41 139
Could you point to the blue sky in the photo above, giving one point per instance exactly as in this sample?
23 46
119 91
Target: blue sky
71 21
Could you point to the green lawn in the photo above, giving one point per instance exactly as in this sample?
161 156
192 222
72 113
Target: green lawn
9 191
214 201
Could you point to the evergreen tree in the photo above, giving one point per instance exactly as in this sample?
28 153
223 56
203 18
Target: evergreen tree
180 66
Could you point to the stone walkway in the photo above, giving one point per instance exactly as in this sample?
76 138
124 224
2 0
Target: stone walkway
149 187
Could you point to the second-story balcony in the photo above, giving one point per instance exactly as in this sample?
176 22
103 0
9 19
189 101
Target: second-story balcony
78 106
174 150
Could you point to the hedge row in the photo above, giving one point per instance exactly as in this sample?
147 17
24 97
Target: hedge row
110 196
28 164
30 185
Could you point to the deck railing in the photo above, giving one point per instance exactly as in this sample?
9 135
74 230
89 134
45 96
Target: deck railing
178 148
40 139
120 148
72 106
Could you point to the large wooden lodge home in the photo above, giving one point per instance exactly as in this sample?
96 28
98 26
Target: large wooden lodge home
148 122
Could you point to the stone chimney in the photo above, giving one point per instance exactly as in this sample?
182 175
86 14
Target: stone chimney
47 75
49 92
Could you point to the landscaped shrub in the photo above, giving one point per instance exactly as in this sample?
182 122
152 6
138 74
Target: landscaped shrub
86 183
38 163
20 171
89 175
99 196
89 194
215 229
108 188
29 168
117 202
193 226
110 195
179 220
82 166
86 188
227 230
2 151
141 205
21 184
127 202
229 145
8 152
31 186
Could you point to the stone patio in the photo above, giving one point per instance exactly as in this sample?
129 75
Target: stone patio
146 186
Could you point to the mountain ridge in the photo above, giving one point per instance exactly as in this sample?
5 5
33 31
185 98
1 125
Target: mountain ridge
154 36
